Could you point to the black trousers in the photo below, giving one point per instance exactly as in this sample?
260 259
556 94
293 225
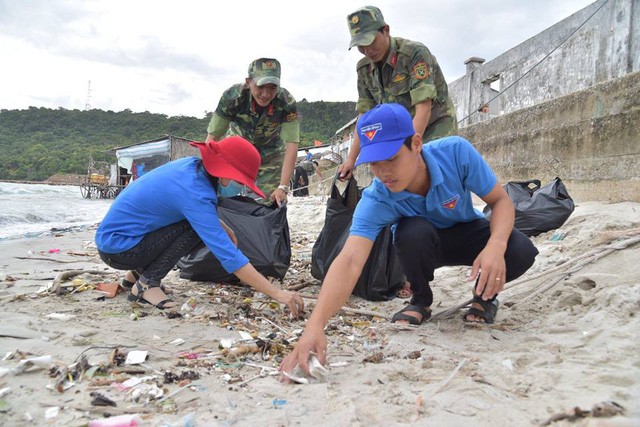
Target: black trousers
421 248
157 252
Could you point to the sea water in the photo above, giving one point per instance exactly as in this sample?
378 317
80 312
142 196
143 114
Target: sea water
33 210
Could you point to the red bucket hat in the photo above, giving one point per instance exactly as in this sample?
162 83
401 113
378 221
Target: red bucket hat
232 158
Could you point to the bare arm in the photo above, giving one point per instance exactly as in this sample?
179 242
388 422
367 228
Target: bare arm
422 116
490 262
289 162
336 288
346 168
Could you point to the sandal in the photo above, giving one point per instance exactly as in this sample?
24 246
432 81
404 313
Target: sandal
488 312
424 312
140 297
127 285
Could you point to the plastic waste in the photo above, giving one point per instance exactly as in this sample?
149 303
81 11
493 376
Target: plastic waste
127 420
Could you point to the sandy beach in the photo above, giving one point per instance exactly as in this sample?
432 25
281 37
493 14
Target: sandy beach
566 340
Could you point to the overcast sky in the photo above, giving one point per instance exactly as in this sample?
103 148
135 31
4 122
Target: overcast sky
177 57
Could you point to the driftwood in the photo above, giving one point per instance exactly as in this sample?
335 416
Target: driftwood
65 275
46 259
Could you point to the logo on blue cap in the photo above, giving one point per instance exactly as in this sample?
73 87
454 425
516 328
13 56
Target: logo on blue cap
370 131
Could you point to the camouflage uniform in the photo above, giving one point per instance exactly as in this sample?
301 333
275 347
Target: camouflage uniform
409 75
238 114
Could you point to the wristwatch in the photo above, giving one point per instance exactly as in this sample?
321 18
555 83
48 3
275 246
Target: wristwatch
284 188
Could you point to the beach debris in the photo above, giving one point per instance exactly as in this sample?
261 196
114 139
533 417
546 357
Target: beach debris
318 373
100 399
110 290
599 410
446 382
136 357
278 403
61 316
33 363
51 413
126 420
376 357
57 285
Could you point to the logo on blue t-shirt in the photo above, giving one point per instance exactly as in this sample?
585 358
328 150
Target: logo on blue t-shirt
451 203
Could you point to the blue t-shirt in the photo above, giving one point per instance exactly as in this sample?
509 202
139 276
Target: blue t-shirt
173 192
456 170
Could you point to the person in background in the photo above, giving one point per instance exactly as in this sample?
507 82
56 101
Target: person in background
400 71
426 190
163 215
308 155
264 113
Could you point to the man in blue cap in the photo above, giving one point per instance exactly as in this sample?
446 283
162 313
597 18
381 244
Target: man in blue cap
425 190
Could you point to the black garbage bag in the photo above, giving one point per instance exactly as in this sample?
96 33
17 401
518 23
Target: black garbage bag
538 208
382 275
263 237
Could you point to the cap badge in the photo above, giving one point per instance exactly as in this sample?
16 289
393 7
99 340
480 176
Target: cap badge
370 131
355 19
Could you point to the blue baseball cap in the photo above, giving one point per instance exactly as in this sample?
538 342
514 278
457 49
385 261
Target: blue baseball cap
382 131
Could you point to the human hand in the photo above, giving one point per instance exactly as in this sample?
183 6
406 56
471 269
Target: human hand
310 342
490 269
279 196
346 169
291 300
230 233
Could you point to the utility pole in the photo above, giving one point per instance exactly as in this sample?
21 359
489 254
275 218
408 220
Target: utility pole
87 104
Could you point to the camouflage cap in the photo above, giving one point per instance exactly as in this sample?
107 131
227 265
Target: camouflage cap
363 25
265 71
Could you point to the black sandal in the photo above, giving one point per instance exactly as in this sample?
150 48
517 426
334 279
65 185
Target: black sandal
127 285
424 312
139 298
488 312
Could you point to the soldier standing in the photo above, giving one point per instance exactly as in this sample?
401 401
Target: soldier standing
264 113
396 70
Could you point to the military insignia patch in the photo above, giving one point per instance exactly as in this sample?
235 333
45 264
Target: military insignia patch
371 130
394 59
291 117
398 78
269 65
451 203
355 19
420 70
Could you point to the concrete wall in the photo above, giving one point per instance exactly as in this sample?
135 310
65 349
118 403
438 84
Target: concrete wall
590 139
605 48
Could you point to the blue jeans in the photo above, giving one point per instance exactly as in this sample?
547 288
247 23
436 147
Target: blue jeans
421 248
157 253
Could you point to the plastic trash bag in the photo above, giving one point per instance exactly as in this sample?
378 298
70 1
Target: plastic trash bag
263 237
382 275
538 208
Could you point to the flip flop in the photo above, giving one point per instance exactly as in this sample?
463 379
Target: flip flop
424 312
488 312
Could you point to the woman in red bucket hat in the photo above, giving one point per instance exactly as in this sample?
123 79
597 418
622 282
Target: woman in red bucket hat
163 215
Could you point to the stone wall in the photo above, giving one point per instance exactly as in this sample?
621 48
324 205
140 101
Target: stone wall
590 139
598 43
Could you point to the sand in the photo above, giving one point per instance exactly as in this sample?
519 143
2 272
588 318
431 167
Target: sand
566 339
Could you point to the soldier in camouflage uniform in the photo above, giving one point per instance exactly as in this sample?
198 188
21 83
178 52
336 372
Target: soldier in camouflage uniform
264 113
396 70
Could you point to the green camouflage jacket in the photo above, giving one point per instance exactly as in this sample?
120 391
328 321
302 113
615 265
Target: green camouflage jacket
268 132
410 75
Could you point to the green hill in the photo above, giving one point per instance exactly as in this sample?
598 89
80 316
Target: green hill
37 143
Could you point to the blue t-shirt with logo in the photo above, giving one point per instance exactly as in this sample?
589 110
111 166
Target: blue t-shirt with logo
456 170
176 191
